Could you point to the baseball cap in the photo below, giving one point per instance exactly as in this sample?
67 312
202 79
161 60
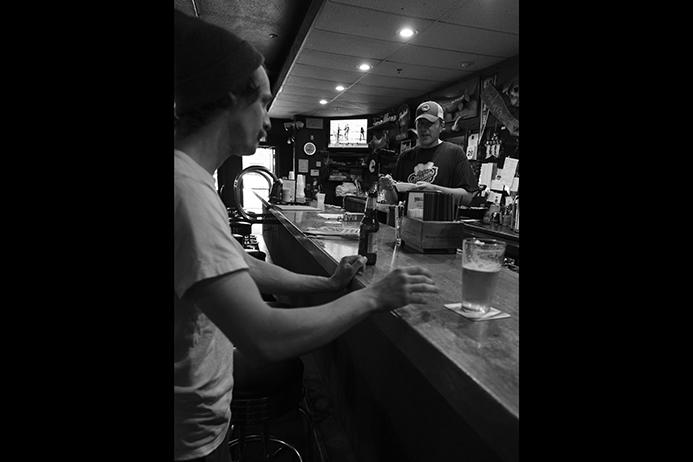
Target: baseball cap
429 110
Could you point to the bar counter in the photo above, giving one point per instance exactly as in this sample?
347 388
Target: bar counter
427 376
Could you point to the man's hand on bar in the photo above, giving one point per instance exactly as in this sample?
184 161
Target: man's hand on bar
403 286
346 270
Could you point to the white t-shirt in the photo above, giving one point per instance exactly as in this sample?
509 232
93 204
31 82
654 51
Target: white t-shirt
203 247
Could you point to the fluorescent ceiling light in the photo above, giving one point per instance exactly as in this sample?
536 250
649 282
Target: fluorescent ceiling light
323 101
364 67
339 87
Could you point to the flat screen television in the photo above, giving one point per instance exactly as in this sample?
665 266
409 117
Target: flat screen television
348 133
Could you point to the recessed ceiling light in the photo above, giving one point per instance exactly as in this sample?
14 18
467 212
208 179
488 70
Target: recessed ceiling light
339 87
406 32
364 67
323 101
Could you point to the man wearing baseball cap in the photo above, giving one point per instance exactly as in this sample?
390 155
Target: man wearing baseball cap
221 94
434 165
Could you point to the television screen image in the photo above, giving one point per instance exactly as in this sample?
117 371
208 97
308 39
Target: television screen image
348 133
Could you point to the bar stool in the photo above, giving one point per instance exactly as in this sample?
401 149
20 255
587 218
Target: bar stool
261 394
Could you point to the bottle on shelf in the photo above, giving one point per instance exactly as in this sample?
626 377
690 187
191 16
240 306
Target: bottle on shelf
507 216
368 239
516 221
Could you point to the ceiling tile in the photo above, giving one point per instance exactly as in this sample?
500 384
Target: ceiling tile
349 45
497 15
429 9
501 16
310 83
365 22
324 73
333 61
435 58
466 39
416 85
373 90
412 71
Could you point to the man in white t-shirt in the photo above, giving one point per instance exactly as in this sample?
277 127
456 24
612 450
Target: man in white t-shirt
221 97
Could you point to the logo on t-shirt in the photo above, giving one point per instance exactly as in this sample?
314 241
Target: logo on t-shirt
424 172
371 166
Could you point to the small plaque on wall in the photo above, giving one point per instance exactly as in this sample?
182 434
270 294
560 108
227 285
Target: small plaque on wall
313 123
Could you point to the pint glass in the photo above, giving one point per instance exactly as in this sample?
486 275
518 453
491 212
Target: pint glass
482 260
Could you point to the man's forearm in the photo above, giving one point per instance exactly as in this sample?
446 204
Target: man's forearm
273 279
262 333
461 195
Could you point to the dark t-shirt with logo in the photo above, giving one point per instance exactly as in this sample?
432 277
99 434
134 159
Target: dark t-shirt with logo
445 165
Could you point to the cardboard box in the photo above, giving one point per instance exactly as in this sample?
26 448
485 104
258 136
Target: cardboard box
431 236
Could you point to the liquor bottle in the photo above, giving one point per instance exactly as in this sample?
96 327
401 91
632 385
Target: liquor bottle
368 244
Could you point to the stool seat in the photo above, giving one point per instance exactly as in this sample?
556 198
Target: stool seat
262 393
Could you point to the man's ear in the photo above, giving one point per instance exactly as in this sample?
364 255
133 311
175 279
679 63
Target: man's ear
233 98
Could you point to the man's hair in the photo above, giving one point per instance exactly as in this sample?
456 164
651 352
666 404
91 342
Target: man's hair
192 120
210 63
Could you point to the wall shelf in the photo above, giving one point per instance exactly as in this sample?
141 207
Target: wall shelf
347 154
384 125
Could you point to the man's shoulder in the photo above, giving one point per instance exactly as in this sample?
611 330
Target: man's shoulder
448 146
451 149
408 154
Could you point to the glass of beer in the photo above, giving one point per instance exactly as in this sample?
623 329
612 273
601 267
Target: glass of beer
482 260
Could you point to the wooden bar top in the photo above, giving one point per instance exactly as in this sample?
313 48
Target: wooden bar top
474 365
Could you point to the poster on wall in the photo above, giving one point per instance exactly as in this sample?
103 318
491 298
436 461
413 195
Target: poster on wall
403 122
460 102
484 108
472 145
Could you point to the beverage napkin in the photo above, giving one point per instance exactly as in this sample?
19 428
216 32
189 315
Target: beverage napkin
474 316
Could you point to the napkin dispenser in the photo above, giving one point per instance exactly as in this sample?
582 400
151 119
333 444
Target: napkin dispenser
430 206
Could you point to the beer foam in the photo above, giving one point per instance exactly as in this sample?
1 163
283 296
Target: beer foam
483 266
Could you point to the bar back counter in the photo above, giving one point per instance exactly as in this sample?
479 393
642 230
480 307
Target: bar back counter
420 383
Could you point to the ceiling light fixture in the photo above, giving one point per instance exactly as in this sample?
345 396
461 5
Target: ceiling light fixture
406 32
323 101
364 67
339 87
464 64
